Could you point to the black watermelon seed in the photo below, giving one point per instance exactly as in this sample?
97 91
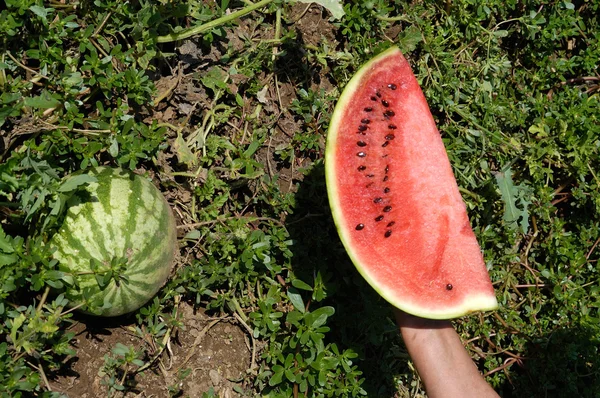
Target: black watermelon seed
373 98
377 200
362 127
360 226
387 168
384 156
370 175
361 154
389 113
385 103
390 137
392 86
361 143
369 185
388 233
368 109
392 127
377 93
387 209
385 178
385 144
361 168
379 218
449 286
386 190
391 224
365 121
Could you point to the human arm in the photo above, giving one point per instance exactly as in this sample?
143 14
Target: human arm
440 358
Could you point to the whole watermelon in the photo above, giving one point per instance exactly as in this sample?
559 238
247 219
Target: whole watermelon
118 241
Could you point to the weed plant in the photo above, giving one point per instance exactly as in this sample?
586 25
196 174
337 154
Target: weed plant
514 88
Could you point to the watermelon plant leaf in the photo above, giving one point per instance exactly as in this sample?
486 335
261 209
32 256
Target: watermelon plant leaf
36 205
334 6
5 244
515 201
409 38
184 153
72 183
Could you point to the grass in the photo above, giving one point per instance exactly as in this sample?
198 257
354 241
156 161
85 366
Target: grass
232 125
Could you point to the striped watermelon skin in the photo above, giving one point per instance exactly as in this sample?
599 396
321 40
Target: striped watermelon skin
124 217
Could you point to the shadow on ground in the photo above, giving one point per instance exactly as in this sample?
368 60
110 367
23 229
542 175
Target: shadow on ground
362 320
561 363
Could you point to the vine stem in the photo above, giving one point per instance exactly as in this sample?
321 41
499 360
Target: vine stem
184 34
43 299
391 19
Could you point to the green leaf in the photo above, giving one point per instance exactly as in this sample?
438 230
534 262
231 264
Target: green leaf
322 377
296 299
184 153
120 349
511 194
100 281
409 38
254 145
297 283
334 6
41 102
72 182
319 316
36 205
277 375
6 259
293 317
40 11
5 244
289 374
215 79
193 235
114 148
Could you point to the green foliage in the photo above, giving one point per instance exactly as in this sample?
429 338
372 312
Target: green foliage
513 88
514 214
118 366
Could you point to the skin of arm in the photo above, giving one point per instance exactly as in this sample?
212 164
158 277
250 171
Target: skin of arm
440 358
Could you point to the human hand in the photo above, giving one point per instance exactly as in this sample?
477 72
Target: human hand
406 320
441 359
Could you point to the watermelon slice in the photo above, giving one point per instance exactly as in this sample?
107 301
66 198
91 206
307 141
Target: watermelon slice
395 200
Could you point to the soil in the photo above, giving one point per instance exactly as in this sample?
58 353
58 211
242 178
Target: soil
207 352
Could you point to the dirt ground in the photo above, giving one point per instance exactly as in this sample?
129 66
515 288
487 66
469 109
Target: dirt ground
211 353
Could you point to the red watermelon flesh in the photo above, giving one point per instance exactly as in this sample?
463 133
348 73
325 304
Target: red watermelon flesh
395 200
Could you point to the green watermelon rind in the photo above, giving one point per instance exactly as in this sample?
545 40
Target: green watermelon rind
473 302
123 216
